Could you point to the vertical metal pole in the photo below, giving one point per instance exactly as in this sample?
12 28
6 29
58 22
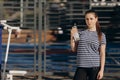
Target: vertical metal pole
90 1
6 55
40 40
45 36
1 9
35 50
21 13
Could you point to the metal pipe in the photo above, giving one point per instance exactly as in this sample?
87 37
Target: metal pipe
21 13
40 40
90 2
35 49
6 56
45 36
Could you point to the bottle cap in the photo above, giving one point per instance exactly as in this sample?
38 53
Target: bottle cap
75 26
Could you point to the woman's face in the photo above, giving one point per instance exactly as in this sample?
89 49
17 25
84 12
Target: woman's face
91 20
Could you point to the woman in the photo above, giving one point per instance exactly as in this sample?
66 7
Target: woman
90 49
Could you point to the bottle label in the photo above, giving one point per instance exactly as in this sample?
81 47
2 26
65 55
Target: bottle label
76 37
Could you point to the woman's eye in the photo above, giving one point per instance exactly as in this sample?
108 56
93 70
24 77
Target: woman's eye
91 18
87 19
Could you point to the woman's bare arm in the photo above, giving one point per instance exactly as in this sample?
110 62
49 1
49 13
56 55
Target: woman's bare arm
102 61
72 43
102 56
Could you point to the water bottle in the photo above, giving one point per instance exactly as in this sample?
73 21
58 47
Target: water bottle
76 35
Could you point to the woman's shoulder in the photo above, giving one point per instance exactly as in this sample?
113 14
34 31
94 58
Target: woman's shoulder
103 34
82 30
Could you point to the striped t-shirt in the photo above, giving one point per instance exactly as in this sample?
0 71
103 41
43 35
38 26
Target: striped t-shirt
88 49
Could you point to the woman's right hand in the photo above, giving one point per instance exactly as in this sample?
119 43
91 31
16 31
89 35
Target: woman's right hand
73 44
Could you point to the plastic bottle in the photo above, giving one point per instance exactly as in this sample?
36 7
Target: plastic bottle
76 35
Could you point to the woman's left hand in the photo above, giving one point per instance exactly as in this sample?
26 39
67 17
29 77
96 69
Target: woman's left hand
100 75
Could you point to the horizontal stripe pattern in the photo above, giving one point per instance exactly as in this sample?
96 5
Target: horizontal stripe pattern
88 49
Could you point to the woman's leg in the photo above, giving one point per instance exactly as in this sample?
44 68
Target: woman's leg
80 74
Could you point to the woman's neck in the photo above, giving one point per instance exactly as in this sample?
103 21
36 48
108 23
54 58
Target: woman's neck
92 29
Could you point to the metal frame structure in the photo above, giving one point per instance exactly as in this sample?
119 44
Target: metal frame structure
10 28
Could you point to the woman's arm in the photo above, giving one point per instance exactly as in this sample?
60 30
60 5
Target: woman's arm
102 61
73 43
102 56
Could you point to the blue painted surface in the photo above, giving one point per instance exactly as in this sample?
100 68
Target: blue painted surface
55 62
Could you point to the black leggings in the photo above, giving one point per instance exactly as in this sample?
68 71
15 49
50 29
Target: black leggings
86 73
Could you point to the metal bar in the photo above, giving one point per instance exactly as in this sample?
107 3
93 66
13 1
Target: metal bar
21 13
35 50
90 1
1 8
40 40
45 37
